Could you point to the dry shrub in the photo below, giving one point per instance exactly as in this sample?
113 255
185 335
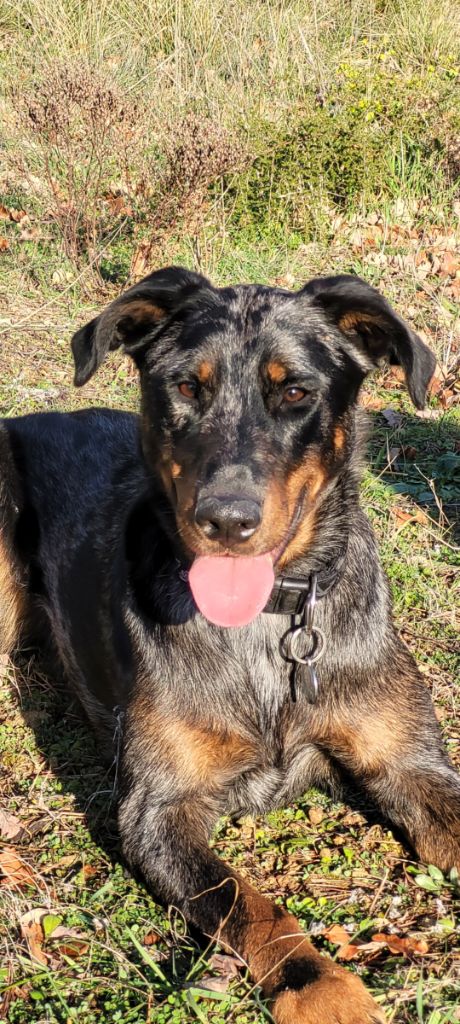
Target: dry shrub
197 153
81 141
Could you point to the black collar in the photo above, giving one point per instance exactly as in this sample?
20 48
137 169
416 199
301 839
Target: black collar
289 594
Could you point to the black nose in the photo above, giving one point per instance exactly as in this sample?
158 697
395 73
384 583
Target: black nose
228 518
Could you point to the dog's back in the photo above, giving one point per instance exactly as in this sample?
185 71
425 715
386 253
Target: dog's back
58 469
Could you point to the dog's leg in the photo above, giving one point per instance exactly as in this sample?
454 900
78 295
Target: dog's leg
174 780
389 740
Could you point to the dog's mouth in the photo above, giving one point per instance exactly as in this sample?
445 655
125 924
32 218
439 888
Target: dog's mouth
232 590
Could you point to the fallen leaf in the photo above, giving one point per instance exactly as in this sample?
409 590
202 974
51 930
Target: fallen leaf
151 939
421 517
402 516
4 213
449 265
32 931
10 826
88 871
4 244
17 215
350 952
28 235
353 818
407 946
337 935
16 871
119 206
315 815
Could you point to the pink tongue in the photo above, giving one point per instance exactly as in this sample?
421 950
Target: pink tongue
231 591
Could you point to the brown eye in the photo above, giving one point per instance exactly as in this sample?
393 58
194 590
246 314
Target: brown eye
293 394
188 388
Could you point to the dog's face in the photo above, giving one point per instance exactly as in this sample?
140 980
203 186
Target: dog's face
247 397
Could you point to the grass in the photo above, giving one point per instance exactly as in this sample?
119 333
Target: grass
301 94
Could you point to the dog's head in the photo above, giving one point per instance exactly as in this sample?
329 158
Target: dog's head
247 397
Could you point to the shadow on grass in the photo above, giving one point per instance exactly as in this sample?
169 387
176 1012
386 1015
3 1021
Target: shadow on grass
420 459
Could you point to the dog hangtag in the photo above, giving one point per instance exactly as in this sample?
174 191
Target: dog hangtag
305 681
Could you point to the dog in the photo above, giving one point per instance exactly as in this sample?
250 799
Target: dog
206 577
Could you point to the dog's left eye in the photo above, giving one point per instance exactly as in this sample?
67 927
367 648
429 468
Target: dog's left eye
294 394
188 388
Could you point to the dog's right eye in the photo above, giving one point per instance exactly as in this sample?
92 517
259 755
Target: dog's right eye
188 388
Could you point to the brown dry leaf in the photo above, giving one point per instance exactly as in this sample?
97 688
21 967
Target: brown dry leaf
28 235
407 946
88 871
4 244
337 935
10 826
421 517
409 452
119 207
436 383
352 951
449 265
4 213
30 924
315 815
151 939
353 818
17 215
69 941
402 516
68 861
16 871
349 951
454 288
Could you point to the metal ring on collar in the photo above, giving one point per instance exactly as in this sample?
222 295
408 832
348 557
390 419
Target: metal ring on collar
317 651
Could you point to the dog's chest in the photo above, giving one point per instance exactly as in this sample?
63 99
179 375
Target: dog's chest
237 682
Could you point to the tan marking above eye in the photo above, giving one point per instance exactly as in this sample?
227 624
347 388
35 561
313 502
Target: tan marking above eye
205 372
276 372
339 438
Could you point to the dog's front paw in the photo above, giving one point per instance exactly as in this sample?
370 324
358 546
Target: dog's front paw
336 998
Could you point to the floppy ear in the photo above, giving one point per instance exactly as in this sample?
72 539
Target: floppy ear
363 315
133 318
